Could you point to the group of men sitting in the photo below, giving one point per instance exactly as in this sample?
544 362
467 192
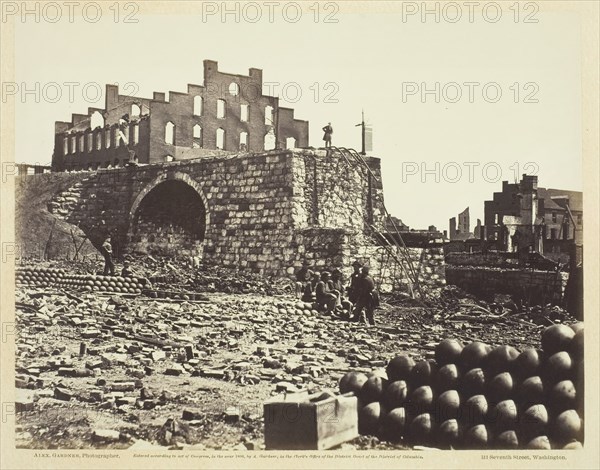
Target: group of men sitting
356 303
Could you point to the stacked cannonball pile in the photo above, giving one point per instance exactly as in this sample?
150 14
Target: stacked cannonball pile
53 277
478 397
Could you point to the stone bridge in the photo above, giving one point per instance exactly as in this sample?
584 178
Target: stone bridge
266 213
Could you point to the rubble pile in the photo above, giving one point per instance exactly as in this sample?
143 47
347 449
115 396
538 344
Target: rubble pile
478 397
94 365
169 273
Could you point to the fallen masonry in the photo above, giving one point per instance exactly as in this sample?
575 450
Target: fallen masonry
119 370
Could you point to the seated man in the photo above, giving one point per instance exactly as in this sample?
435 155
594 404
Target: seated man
338 286
326 295
303 278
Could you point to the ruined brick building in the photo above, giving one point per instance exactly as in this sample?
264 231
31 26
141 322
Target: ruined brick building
537 213
228 113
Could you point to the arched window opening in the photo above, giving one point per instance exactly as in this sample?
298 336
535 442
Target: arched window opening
290 143
221 109
234 89
170 133
96 120
197 136
108 137
135 110
244 112
220 139
269 116
244 141
270 140
197 106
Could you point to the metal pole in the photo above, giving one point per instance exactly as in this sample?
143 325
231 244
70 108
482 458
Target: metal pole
363 151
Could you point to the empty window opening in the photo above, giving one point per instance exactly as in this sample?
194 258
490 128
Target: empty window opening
221 109
136 134
96 120
99 141
269 115
197 106
73 144
220 139
169 158
234 89
108 138
135 110
170 133
197 136
270 140
90 142
290 143
81 143
244 112
243 141
65 146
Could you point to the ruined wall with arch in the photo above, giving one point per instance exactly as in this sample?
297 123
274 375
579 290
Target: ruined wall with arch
265 213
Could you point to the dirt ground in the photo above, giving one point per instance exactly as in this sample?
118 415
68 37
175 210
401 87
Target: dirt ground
136 385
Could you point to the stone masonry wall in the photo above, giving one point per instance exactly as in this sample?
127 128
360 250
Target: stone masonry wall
266 213
531 286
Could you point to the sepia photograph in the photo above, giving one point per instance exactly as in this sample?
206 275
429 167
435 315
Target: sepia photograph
299 234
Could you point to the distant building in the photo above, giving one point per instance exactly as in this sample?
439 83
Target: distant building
526 215
463 230
228 113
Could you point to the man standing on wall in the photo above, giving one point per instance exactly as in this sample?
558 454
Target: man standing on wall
365 299
328 130
109 266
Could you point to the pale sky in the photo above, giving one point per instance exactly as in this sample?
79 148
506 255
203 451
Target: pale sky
365 60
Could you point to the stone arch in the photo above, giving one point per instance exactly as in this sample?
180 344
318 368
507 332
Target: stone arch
160 218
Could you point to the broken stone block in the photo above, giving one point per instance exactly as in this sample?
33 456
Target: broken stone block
62 394
106 435
21 382
96 395
90 333
175 370
123 386
129 401
270 363
23 401
189 415
158 355
232 414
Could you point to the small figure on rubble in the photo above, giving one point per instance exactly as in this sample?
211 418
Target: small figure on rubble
303 278
328 130
366 298
338 286
326 296
107 252
127 271
353 281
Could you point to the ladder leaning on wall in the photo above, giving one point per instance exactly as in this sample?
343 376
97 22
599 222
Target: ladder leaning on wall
394 244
